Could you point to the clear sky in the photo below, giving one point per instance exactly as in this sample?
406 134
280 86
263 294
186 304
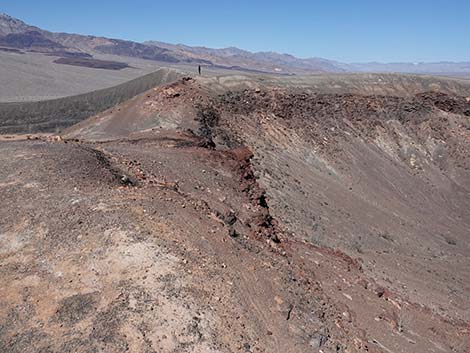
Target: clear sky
350 31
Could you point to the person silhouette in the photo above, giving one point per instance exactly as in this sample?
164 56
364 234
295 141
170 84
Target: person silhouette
199 69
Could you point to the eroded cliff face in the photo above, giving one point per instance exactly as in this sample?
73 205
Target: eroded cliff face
261 220
385 179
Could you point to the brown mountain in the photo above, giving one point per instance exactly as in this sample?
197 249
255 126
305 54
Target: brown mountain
230 58
15 33
30 40
10 25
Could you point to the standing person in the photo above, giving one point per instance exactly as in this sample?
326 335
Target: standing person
199 69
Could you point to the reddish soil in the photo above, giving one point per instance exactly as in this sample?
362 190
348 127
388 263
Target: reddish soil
264 220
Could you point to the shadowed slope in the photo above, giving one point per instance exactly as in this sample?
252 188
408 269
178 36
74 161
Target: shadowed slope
53 115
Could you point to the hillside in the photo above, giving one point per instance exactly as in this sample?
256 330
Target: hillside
244 214
54 115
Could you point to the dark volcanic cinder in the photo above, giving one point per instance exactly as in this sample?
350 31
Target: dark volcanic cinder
92 63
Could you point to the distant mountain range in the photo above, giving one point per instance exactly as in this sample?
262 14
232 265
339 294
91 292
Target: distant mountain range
17 36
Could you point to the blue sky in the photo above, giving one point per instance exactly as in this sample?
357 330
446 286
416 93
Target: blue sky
350 31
